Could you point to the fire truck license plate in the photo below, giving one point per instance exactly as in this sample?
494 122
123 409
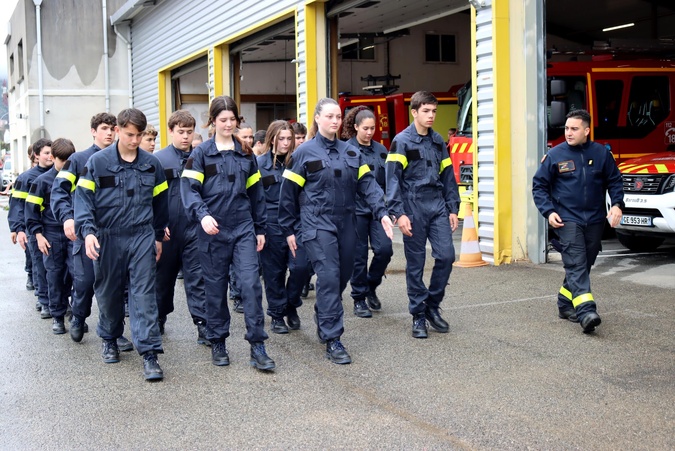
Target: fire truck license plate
631 220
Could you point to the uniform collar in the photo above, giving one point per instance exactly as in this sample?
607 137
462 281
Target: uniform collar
417 138
212 149
325 142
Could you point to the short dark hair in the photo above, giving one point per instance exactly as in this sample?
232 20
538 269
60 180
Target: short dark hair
422 98
299 128
103 118
62 148
134 117
259 136
181 118
41 144
584 115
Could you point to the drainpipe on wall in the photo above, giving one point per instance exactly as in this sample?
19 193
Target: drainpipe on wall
106 68
123 31
41 93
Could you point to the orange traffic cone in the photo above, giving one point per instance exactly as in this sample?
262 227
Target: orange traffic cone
470 255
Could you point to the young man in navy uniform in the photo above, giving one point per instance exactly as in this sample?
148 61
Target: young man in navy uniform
180 249
102 126
42 150
121 211
56 249
422 194
569 191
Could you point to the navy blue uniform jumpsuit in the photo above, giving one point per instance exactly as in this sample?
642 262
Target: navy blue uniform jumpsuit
364 279
17 223
572 181
422 186
226 186
58 264
317 205
125 205
276 256
181 250
62 201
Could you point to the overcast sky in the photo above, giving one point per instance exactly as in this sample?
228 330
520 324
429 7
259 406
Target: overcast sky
5 13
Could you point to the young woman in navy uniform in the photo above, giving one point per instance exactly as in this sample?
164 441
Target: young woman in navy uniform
317 208
221 189
358 129
283 296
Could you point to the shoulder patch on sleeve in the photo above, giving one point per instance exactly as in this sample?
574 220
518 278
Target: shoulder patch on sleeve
188 164
33 188
66 165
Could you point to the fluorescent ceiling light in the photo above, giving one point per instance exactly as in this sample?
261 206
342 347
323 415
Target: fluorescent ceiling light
626 25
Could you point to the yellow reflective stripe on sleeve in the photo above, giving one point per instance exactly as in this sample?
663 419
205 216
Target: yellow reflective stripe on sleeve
36 200
160 188
88 184
444 164
398 158
577 301
19 194
565 292
67 175
364 169
252 180
189 173
300 180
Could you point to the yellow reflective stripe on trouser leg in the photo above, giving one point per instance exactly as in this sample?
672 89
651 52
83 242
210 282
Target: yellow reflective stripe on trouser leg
252 180
587 297
364 169
566 293
398 158
288 174
160 188
88 184
189 173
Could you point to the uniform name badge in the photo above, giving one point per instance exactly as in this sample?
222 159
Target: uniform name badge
566 166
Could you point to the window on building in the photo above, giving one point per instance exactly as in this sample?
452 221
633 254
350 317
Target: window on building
440 48
20 61
648 102
364 50
11 69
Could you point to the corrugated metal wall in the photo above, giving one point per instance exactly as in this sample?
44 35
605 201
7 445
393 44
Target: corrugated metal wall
485 130
172 30
301 46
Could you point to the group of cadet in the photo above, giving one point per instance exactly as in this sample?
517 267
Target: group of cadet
120 222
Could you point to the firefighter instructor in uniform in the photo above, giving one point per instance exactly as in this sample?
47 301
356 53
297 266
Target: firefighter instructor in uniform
569 191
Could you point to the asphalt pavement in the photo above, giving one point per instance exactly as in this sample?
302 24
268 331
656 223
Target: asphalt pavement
509 375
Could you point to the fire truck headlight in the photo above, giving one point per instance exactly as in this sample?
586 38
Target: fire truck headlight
670 184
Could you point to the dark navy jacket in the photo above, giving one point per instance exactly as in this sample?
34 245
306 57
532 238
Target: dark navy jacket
173 161
39 215
317 188
17 203
271 177
225 185
118 196
572 181
66 181
375 156
419 174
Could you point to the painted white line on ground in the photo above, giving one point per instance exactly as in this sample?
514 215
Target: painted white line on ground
489 304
